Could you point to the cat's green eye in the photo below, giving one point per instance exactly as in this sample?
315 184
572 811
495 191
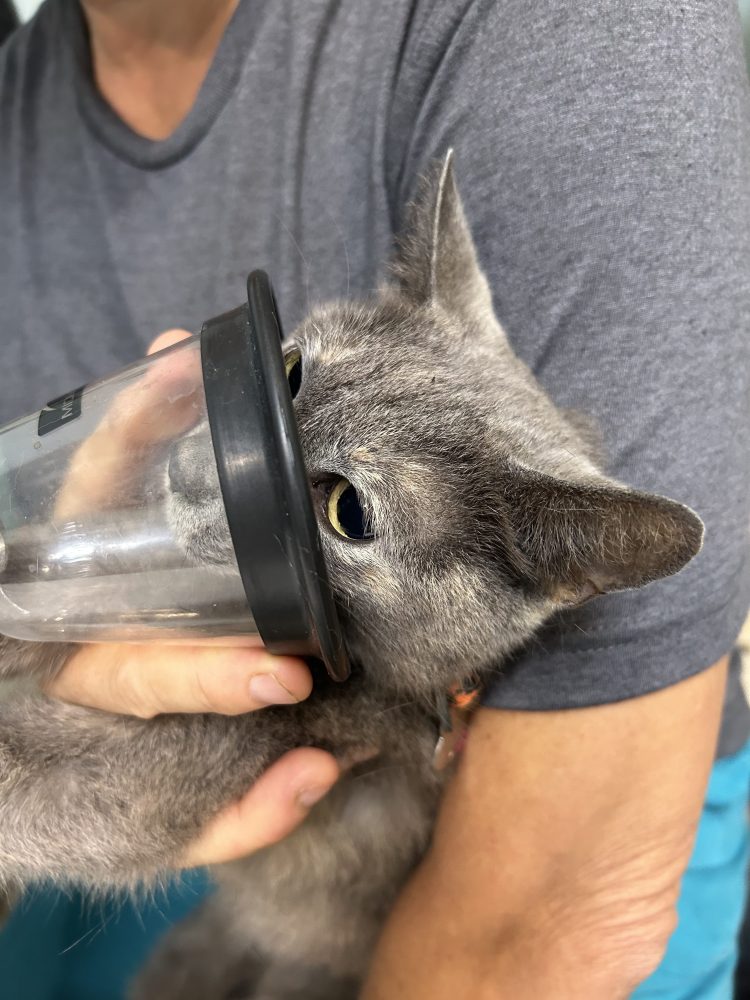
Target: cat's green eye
293 365
345 513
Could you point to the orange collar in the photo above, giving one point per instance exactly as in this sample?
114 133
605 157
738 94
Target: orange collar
460 704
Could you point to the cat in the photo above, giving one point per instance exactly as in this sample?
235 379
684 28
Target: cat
458 509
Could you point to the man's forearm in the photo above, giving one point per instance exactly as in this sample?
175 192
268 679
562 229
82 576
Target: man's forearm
436 948
558 854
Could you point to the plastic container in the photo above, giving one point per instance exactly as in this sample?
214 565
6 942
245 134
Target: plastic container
169 502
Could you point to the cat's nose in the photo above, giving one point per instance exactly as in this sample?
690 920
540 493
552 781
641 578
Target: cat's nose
187 466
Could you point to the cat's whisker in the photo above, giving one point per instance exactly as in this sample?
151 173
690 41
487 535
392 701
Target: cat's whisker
306 268
345 248
91 934
375 771
395 708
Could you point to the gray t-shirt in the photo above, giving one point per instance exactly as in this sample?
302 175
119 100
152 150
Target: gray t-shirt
602 150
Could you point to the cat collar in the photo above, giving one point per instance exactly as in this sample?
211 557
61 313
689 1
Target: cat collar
454 717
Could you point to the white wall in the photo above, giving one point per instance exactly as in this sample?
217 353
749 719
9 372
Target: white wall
26 8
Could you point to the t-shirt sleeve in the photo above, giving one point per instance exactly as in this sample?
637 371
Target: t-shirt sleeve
602 152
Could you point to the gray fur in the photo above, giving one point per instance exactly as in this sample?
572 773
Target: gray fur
489 513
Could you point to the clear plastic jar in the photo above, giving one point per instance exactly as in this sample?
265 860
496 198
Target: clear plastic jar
112 524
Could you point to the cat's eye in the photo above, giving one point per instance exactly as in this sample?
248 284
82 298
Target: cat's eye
293 364
345 513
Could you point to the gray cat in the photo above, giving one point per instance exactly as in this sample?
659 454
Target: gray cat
459 509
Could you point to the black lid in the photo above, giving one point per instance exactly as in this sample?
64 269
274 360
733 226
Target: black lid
264 483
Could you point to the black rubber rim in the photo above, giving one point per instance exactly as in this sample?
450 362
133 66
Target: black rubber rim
264 484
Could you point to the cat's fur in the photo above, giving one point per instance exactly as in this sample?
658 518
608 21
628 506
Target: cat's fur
489 513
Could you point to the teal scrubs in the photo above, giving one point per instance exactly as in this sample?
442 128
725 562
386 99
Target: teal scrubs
702 952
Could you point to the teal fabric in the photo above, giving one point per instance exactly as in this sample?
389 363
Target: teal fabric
702 953
58 947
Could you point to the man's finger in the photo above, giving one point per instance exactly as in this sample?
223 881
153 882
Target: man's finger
272 808
106 467
147 680
167 339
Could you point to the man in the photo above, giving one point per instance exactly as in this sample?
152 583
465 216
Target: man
153 152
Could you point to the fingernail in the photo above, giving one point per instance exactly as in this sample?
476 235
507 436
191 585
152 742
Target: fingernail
309 796
269 690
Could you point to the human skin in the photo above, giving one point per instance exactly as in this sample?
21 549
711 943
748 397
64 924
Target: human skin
149 59
558 853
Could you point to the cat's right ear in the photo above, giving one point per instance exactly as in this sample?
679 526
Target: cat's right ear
436 260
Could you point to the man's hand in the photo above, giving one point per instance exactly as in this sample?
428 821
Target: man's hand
558 853
108 464
146 680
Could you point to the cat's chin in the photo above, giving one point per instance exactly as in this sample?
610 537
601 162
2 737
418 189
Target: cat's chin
402 677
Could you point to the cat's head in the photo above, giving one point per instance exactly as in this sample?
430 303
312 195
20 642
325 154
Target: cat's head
458 508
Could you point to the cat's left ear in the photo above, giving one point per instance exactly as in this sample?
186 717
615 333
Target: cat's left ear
575 541
436 258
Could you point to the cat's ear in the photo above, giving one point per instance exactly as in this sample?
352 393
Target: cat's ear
436 259
577 541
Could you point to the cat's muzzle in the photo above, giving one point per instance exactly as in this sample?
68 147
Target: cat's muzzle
190 461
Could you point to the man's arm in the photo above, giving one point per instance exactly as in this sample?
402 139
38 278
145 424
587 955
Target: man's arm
559 851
